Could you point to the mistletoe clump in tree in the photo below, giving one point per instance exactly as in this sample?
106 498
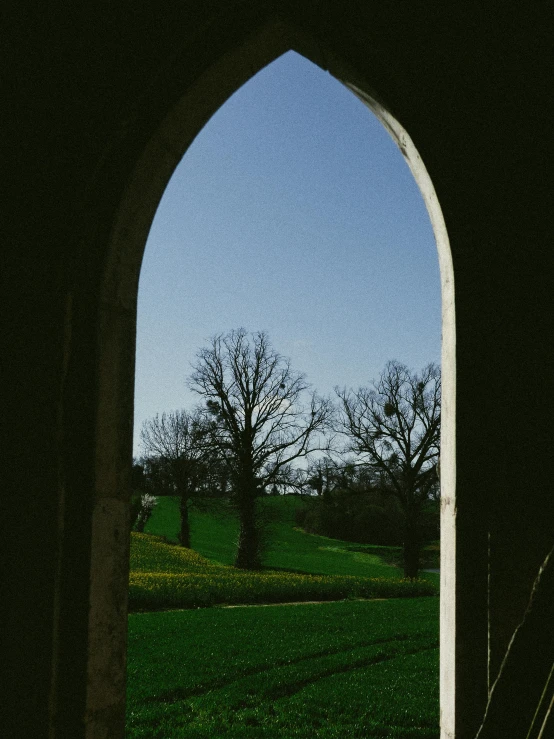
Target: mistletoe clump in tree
264 418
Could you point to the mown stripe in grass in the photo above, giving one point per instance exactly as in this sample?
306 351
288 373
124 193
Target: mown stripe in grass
252 652
176 694
287 680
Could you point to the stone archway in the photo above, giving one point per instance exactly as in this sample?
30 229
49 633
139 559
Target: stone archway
117 335
88 92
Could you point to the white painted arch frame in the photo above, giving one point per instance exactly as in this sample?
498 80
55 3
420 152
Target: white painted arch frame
107 624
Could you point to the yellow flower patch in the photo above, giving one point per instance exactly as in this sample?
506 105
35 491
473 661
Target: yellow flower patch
166 576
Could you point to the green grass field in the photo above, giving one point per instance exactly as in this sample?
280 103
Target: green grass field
351 669
215 535
167 576
356 668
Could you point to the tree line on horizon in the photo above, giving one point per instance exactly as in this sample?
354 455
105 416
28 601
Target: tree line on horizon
370 459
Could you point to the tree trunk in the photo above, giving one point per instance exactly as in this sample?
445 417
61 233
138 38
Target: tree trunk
248 551
411 546
141 522
184 534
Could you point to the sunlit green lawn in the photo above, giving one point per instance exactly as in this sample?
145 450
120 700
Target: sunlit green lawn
168 576
215 536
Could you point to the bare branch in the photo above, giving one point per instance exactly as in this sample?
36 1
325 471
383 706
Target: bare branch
395 427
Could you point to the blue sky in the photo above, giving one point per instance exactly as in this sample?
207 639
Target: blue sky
292 212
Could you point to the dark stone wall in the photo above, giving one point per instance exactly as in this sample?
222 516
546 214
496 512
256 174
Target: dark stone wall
86 86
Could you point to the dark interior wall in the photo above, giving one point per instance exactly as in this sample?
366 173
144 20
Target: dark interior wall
86 87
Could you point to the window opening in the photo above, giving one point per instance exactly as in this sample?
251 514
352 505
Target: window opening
294 213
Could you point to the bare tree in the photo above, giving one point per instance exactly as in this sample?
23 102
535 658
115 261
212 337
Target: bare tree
395 428
176 442
261 422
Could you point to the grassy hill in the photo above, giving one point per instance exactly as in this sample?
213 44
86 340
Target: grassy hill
167 576
214 535
360 668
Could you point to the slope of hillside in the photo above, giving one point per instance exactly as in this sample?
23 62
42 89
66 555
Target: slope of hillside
214 536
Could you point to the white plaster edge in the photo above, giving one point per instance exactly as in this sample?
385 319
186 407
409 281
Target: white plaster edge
448 424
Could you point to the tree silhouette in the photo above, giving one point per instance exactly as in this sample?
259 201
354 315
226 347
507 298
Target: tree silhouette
265 417
395 428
